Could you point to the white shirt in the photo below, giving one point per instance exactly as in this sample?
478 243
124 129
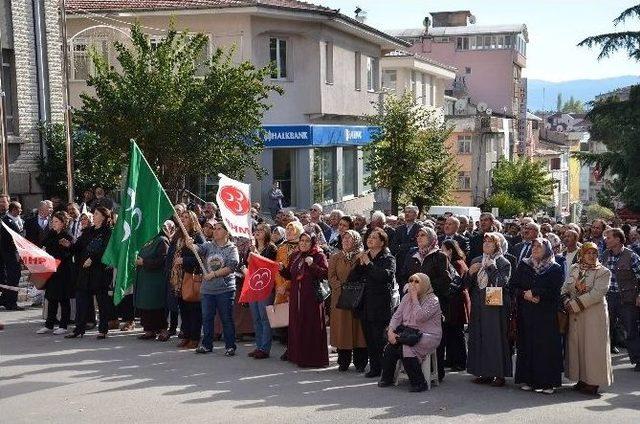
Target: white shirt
569 256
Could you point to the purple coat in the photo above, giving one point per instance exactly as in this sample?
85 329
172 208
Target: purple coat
426 317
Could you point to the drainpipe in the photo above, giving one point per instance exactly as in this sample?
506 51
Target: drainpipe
41 71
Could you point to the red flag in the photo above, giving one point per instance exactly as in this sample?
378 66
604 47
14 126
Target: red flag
40 264
260 279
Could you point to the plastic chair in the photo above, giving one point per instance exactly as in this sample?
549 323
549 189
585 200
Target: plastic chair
429 370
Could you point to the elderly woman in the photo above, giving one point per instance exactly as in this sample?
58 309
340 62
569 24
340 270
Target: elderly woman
538 281
307 327
376 268
587 351
418 310
293 231
150 290
429 259
489 356
346 330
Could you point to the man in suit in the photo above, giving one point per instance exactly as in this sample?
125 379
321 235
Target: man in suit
522 250
37 226
406 235
10 257
450 229
463 230
487 225
74 223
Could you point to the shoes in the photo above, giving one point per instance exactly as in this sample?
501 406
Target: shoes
101 336
260 354
114 324
192 344
637 367
578 386
14 308
284 356
498 382
183 343
149 335
202 349
89 326
373 374
252 353
615 350
230 352
172 332
74 335
548 391
481 380
163 336
588 389
418 388
60 331
526 388
128 326
383 383
181 335
44 330
343 368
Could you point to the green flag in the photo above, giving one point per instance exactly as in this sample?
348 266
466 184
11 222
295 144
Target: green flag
144 207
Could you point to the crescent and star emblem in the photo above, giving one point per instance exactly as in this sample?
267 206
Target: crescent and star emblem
136 212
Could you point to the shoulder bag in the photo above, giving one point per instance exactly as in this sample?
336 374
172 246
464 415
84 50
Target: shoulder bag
407 335
191 287
351 294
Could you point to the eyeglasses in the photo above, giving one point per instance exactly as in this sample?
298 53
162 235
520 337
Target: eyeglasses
414 281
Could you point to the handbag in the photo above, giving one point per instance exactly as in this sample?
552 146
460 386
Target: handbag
350 295
191 287
407 335
278 315
323 290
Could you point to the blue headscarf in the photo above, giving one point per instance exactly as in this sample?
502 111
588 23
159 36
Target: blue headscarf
548 259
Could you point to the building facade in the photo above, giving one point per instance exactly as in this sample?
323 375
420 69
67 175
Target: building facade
32 84
328 65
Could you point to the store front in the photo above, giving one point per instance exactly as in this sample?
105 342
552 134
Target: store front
314 163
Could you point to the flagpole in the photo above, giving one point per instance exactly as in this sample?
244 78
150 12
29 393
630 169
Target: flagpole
186 234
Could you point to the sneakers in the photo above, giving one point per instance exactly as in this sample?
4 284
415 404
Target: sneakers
60 331
44 330
202 349
548 391
526 388
230 352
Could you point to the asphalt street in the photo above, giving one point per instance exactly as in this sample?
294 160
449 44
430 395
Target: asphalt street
46 378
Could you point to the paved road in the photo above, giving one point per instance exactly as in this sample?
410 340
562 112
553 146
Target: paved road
124 380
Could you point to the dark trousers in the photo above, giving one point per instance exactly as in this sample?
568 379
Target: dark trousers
392 354
440 354
374 334
105 305
52 312
125 308
191 314
172 310
456 348
359 356
11 274
631 320
153 320
614 304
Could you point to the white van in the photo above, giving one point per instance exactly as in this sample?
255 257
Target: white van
470 211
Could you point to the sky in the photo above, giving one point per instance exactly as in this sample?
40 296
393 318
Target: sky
555 27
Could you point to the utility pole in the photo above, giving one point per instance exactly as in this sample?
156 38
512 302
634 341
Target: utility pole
4 149
67 100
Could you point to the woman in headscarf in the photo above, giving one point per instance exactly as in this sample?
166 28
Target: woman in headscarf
307 341
587 350
419 310
346 329
429 259
538 281
277 235
489 356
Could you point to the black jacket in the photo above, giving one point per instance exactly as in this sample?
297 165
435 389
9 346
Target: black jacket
61 285
403 241
437 267
379 278
463 242
91 245
33 232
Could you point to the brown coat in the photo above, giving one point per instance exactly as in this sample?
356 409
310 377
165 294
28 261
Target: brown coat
346 331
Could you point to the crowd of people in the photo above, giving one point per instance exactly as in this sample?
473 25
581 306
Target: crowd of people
563 297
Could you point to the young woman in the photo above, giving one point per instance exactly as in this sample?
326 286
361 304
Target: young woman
60 286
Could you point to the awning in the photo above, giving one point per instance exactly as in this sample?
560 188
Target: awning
317 135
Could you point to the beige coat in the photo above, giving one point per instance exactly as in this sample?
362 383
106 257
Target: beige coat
587 352
346 331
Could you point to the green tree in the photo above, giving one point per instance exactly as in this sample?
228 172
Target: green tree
573 106
408 155
507 206
597 211
190 116
524 181
559 102
93 164
616 122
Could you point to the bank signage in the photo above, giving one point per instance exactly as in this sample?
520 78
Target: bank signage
317 135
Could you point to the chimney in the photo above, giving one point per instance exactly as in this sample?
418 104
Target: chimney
361 15
451 19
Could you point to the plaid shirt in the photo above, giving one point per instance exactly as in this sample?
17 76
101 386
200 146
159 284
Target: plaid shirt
612 264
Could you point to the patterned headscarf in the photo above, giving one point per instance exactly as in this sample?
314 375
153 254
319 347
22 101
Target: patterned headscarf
357 245
489 260
297 226
433 243
583 249
548 260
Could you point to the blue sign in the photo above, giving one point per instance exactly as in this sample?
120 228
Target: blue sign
317 135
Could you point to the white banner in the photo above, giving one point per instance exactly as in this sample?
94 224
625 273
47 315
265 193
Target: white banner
35 259
234 201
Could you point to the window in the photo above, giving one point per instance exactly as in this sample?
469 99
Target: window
508 43
358 70
278 56
372 73
389 79
328 57
9 87
349 168
472 43
366 171
414 84
464 144
441 39
467 70
426 90
487 41
464 181
462 43
323 175
82 63
554 164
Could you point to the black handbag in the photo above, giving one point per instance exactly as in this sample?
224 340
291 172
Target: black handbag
323 290
407 335
351 295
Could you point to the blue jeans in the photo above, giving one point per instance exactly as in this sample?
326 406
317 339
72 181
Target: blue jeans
261 324
223 303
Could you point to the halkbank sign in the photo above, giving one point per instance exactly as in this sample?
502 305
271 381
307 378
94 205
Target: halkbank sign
317 135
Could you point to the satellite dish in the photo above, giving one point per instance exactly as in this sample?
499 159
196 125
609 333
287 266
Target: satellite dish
461 105
482 106
489 111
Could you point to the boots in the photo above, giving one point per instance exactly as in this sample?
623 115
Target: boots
414 372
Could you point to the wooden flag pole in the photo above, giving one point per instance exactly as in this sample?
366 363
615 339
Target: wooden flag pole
186 234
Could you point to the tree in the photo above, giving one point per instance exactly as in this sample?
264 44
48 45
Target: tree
408 155
507 206
573 106
93 164
596 211
525 181
190 116
559 103
614 41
